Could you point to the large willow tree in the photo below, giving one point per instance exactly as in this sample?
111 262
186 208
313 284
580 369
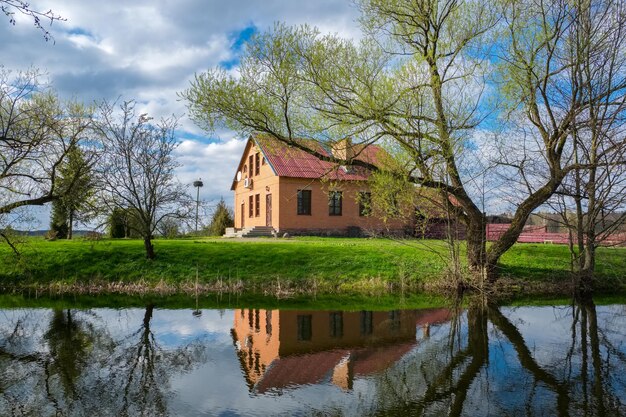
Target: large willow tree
430 77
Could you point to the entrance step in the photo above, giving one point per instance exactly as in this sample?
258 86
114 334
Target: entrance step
256 231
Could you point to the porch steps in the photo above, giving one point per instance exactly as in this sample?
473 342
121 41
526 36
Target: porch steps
256 231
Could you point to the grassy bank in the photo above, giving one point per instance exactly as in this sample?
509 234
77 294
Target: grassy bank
277 266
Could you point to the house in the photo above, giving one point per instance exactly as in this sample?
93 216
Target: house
285 189
282 349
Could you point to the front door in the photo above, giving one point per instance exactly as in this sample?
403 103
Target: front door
243 214
268 210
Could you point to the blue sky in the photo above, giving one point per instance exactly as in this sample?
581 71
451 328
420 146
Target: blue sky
149 50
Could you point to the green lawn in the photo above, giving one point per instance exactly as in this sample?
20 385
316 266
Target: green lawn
329 264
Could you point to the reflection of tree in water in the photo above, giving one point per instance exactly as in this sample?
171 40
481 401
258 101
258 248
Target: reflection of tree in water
461 373
69 339
85 371
141 370
69 343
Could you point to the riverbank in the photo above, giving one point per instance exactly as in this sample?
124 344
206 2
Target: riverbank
280 267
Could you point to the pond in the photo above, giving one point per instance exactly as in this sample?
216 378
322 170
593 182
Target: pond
468 360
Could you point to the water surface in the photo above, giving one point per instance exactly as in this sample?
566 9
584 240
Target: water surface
475 360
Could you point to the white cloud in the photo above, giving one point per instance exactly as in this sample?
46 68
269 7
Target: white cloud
215 163
150 50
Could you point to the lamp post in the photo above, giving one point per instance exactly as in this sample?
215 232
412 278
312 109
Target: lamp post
197 184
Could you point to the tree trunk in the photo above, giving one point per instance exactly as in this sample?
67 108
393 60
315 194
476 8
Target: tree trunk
509 237
70 226
477 243
147 243
588 264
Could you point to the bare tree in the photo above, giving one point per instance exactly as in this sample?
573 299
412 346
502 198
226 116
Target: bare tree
10 7
136 170
37 131
592 199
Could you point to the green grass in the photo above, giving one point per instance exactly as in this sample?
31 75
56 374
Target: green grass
224 301
332 265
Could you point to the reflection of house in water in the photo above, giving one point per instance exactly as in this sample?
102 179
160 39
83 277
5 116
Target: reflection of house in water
278 349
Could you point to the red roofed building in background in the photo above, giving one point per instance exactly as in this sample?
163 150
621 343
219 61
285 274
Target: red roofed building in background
281 188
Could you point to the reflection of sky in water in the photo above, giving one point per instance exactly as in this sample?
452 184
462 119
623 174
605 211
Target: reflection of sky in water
215 383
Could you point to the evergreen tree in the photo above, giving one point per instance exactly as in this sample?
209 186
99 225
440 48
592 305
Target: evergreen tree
123 223
76 184
117 223
222 218
58 220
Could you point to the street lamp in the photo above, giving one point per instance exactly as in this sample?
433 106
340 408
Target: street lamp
197 184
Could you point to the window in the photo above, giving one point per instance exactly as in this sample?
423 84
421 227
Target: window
304 327
304 202
251 206
245 168
251 163
334 203
257 205
365 203
367 325
263 161
257 164
336 324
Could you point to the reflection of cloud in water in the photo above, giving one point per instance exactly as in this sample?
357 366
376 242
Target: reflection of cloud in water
501 361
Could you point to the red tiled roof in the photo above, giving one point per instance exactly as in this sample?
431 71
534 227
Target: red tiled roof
299 370
314 368
374 360
288 161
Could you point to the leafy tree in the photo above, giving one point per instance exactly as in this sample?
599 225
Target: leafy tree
123 223
58 220
77 185
136 169
37 132
420 79
222 218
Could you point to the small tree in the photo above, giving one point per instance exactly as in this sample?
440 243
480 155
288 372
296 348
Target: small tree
136 171
58 220
123 223
222 218
76 186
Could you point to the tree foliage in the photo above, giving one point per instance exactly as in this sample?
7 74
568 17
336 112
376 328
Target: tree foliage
59 226
76 188
427 77
37 133
223 217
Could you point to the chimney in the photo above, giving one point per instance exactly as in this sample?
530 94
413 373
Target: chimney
343 149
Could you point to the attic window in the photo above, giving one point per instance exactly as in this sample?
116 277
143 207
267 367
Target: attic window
263 161
245 168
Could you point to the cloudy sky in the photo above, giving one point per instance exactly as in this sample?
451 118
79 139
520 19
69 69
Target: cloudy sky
150 50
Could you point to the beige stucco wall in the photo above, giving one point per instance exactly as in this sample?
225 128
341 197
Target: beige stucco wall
264 183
